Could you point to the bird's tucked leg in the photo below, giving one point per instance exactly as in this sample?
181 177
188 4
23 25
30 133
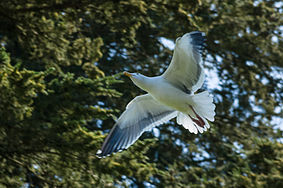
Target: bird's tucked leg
198 120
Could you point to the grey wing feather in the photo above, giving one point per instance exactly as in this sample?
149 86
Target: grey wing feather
129 127
185 70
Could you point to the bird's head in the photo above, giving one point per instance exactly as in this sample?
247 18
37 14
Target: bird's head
138 79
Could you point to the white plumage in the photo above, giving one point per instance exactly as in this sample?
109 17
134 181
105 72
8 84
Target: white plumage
169 95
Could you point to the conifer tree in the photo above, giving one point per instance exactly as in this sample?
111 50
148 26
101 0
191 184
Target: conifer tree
61 91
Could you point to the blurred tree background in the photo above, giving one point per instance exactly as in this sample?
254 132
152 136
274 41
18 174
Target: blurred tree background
61 91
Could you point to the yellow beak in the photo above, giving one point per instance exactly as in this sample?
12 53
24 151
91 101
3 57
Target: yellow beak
127 74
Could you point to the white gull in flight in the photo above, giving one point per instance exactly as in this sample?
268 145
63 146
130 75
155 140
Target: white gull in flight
168 96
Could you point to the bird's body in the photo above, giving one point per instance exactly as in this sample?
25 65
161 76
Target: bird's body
169 95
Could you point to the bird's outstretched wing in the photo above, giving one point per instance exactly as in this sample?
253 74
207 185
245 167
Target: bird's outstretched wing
185 70
141 114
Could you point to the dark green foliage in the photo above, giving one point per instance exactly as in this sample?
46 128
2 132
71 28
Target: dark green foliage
60 89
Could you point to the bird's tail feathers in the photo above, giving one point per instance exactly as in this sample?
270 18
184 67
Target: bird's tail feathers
188 123
203 105
201 108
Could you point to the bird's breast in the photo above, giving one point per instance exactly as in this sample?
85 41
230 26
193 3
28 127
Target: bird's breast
170 96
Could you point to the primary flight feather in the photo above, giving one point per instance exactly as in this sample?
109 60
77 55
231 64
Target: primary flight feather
168 96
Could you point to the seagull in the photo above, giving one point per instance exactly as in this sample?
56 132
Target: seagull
169 95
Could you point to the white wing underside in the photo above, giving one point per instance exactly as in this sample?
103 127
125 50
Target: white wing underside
141 114
185 70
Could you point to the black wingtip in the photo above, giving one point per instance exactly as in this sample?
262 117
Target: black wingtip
198 40
197 34
197 37
98 154
114 142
